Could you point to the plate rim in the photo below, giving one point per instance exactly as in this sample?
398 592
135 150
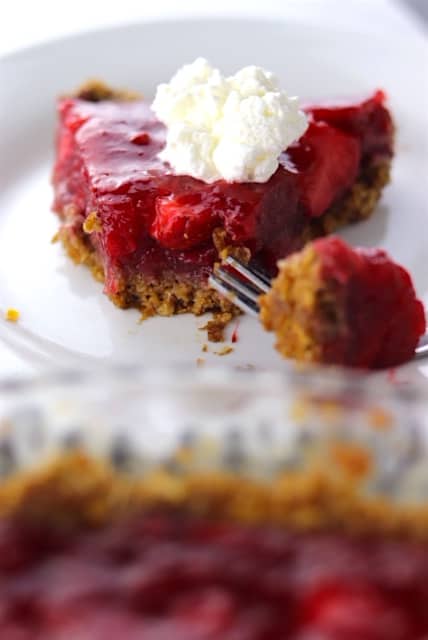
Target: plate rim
107 30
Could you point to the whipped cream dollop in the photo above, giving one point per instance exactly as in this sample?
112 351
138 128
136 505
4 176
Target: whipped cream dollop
232 128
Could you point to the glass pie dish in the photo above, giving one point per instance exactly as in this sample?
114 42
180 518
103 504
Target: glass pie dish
158 504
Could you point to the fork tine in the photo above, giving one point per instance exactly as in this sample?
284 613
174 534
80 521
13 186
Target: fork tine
237 284
230 291
421 350
254 276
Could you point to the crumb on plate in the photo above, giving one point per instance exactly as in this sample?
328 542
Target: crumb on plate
224 351
12 315
215 327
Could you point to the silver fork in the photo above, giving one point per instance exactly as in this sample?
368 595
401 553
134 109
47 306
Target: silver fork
243 285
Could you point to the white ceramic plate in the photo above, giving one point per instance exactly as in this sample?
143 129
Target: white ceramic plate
64 316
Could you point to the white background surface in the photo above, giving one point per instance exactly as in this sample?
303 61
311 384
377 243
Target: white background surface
24 23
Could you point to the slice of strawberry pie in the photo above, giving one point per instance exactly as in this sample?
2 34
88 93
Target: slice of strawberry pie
153 233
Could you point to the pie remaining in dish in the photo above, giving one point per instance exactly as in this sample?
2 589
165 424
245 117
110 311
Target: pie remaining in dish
334 304
153 237
89 554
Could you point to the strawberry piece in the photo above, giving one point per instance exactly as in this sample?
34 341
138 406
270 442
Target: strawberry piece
367 119
327 160
120 223
355 612
183 222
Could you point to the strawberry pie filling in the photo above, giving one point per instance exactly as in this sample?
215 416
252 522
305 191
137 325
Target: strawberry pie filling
168 576
384 319
154 222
